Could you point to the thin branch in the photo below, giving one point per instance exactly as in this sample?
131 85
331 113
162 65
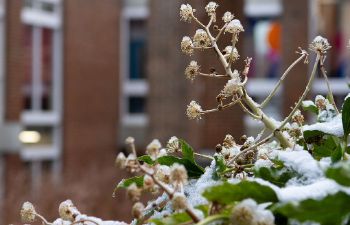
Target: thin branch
233 42
83 221
247 111
42 219
203 156
199 22
273 92
211 219
220 107
210 21
306 92
220 32
202 48
213 75
330 92
170 193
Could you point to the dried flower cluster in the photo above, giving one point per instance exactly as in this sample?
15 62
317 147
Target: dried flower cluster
276 176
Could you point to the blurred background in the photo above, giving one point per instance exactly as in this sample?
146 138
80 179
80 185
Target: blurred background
79 76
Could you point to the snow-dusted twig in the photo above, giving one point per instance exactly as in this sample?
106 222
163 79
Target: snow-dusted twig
304 54
330 92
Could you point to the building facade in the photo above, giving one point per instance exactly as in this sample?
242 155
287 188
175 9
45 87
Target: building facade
79 76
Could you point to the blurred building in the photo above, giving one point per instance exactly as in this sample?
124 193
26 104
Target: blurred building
79 76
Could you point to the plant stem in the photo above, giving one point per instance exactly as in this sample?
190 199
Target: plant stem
306 92
269 97
268 122
212 219
204 156
330 92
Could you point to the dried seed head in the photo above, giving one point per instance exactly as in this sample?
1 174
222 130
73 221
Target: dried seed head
178 174
201 39
137 210
187 46
320 45
192 70
231 53
228 17
229 141
120 161
68 211
232 86
194 110
173 145
28 213
186 12
129 141
321 102
179 201
244 212
148 182
298 117
234 27
218 148
133 192
153 148
163 174
211 9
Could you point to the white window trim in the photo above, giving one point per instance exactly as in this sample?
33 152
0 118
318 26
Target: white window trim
127 86
36 117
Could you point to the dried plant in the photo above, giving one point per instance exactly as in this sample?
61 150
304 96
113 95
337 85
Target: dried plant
300 176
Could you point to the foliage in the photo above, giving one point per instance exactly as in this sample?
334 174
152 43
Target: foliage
293 174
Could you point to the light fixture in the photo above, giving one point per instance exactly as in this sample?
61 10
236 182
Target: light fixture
29 137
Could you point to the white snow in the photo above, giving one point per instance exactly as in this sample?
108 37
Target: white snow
301 162
333 127
195 189
308 103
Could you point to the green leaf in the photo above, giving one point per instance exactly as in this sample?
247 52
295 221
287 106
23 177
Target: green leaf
309 106
346 117
313 136
340 173
193 170
326 148
331 210
219 166
187 151
204 209
278 177
147 159
337 154
227 193
125 183
174 219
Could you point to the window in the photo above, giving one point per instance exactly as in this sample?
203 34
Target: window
134 85
42 88
263 34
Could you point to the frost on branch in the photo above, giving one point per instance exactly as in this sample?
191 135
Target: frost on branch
290 173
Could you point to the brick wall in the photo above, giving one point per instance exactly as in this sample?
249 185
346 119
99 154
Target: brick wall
14 60
90 80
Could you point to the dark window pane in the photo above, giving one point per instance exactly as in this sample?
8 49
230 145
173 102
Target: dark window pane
137 105
137 49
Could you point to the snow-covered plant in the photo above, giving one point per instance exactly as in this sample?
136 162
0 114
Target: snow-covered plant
290 173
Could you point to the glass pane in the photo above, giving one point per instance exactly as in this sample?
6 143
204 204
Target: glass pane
137 49
137 105
47 68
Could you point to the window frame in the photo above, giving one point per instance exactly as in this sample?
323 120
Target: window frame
30 16
130 87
